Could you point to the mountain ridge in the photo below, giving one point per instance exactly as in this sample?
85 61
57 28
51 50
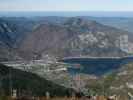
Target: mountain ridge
53 39
33 38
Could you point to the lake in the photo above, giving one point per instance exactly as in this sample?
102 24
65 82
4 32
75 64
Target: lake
96 66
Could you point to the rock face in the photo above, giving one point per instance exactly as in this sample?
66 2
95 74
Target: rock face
75 37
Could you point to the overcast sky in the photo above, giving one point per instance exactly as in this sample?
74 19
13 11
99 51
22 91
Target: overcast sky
66 5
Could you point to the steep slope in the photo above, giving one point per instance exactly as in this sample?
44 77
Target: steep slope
12 32
44 38
28 84
6 43
16 27
5 33
76 37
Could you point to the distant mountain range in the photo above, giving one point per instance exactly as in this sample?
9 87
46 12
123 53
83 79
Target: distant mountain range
124 23
67 13
35 37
